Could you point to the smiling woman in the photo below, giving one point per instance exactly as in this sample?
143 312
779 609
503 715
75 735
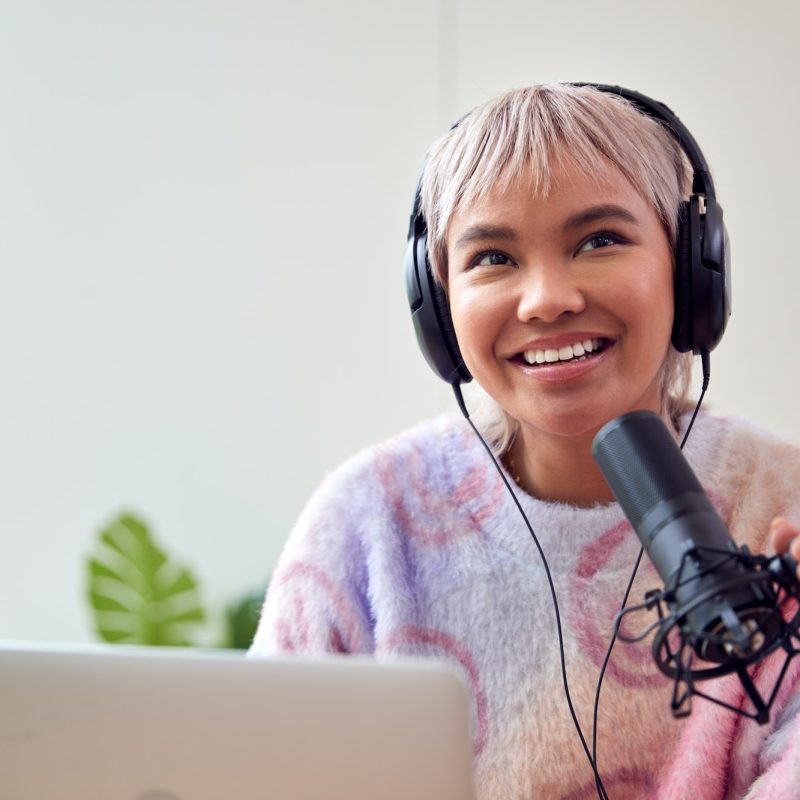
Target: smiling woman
560 232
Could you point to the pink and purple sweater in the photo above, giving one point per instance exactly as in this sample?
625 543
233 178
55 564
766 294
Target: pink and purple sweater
415 548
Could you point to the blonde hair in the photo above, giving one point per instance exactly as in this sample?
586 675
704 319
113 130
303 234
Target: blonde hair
532 132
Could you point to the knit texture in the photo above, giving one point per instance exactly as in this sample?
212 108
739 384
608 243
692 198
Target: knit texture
414 547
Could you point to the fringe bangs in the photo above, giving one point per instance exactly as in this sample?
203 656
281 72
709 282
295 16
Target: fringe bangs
528 134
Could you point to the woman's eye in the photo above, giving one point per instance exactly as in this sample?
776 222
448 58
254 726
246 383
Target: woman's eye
599 240
491 259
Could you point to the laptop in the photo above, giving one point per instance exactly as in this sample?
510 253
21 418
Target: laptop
126 723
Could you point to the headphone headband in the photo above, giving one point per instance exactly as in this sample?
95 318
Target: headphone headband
702 182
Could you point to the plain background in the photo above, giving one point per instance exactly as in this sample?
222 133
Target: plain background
203 209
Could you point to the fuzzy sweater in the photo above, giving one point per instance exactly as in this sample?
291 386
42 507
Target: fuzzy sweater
415 548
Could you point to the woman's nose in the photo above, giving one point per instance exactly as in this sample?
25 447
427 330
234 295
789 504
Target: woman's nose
549 291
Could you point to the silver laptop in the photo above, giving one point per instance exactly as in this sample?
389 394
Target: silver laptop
117 723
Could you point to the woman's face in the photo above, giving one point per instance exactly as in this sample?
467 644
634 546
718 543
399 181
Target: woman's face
563 306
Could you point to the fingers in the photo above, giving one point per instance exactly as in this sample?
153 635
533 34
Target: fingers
781 533
785 537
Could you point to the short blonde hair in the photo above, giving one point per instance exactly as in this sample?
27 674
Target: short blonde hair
531 132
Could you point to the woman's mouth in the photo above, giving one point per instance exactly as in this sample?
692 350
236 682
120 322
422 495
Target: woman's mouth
571 353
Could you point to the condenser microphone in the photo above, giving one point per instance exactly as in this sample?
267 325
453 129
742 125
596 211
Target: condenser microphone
723 614
722 609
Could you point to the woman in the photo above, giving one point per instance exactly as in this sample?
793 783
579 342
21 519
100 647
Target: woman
552 216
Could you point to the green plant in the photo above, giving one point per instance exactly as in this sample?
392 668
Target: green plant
140 595
241 619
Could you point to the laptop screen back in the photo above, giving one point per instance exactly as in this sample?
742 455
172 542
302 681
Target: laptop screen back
137 724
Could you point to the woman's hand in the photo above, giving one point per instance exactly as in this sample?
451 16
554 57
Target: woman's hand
785 537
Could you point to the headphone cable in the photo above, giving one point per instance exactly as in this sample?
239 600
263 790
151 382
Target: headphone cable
598 781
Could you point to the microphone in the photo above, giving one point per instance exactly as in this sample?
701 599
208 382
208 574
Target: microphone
723 604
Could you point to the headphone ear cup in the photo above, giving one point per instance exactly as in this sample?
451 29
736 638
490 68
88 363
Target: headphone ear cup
446 328
682 323
430 313
702 277
711 295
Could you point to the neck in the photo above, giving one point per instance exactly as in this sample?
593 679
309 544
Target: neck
559 468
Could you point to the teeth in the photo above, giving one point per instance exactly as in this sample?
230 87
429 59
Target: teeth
562 354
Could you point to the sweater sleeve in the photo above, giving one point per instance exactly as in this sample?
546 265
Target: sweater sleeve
723 755
317 598
777 752
765 760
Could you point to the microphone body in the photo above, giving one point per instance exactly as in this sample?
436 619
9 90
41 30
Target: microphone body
723 614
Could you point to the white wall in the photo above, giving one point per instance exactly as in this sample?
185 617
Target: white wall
202 219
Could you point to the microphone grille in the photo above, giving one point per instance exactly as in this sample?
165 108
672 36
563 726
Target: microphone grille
642 463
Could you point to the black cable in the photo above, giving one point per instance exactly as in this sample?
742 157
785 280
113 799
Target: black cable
598 782
706 378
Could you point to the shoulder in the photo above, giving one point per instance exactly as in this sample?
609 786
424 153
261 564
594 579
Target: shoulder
727 447
426 448
358 537
752 474
373 487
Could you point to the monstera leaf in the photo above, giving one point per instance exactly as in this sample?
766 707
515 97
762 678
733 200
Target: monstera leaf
139 595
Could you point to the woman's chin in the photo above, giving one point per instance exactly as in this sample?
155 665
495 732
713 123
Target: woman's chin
578 424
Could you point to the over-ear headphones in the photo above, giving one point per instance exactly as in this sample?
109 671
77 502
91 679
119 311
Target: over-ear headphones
702 263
